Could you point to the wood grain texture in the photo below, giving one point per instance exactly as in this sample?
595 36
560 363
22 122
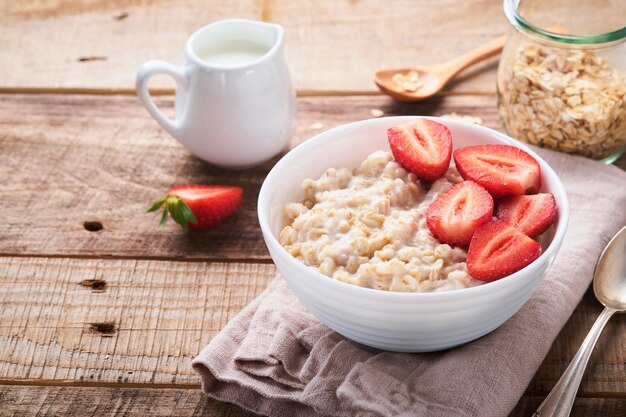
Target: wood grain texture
127 402
339 45
96 152
606 372
103 321
140 402
120 331
325 40
145 327
40 39
583 407
69 159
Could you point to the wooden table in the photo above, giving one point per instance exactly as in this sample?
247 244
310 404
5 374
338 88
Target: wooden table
106 322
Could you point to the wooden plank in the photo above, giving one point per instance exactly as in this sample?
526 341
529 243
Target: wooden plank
69 159
99 44
606 372
338 46
331 46
116 321
583 407
79 321
128 402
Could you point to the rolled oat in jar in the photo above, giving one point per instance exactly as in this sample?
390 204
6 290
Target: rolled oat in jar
562 91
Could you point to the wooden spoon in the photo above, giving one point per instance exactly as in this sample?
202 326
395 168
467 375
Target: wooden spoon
433 78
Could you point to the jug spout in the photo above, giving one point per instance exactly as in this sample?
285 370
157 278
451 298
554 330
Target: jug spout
235 43
274 32
235 77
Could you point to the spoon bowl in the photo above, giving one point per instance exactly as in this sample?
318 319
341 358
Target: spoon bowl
430 83
609 284
434 78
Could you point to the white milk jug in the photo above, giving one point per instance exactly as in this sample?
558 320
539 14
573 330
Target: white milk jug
235 105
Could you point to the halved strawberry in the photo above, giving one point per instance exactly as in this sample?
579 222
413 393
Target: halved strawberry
454 215
498 250
531 214
502 169
423 147
199 206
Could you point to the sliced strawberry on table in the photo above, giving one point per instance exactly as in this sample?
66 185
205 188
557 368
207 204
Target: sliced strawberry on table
502 169
454 215
199 206
423 147
531 214
498 250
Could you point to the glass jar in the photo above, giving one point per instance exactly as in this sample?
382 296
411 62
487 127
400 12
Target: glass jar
562 76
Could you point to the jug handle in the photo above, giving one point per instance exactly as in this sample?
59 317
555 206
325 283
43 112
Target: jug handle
147 71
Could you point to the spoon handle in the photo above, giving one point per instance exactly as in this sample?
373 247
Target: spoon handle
561 399
491 48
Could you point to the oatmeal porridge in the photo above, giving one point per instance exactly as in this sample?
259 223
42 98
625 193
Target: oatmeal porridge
367 227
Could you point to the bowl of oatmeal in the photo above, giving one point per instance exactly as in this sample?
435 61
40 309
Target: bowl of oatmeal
345 225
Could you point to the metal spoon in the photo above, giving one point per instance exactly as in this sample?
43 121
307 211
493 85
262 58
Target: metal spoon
432 79
609 286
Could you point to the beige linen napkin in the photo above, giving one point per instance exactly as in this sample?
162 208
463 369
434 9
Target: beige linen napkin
275 358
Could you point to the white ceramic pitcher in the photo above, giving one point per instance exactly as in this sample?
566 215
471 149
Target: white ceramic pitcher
235 105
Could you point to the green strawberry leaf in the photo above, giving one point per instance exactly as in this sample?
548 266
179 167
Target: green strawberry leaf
176 210
175 207
163 218
188 214
157 204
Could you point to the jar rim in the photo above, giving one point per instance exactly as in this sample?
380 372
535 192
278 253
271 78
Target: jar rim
511 10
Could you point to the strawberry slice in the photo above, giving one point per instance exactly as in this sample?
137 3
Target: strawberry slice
456 214
199 206
498 250
502 169
423 147
531 214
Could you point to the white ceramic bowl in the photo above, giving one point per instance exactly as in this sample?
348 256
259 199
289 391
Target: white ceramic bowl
405 322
